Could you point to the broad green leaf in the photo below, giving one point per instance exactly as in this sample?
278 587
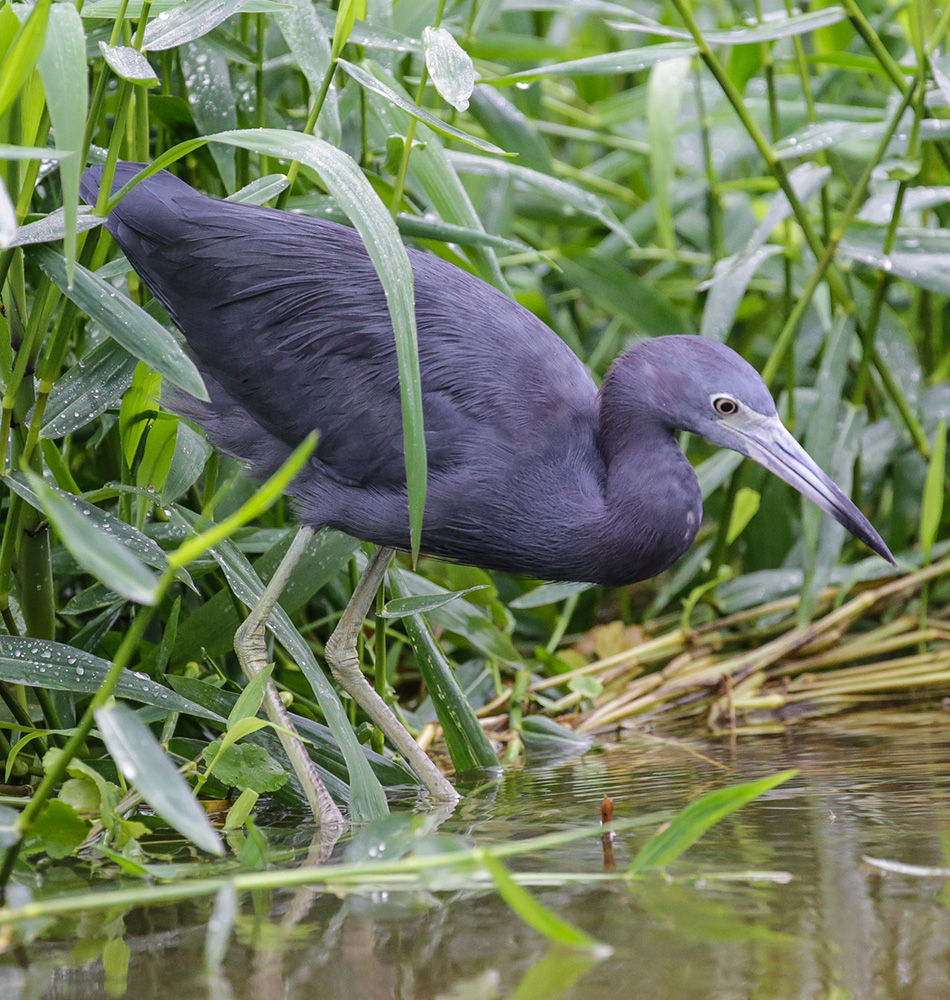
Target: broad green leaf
187 21
692 822
921 257
308 39
511 128
58 667
58 830
128 63
370 82
24 52
124 321
346 14
608 64
96 551
400 607
664 99
61 64
146 766
450 67
212 100
536 915
935 487
261 190
245 765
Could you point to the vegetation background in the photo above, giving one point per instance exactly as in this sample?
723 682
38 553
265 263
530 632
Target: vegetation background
773 178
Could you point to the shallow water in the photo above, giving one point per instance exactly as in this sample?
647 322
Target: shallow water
839 929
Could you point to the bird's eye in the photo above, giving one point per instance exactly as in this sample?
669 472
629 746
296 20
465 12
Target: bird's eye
725 406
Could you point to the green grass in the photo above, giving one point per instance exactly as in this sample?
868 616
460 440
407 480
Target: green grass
776 181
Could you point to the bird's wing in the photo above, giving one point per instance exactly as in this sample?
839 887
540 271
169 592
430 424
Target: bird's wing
288 317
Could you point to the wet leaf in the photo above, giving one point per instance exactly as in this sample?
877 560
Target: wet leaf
610 63
664 98
774 25
184 22
548 593
124 321
370 82
244 765
61 63
450 67
400 607
147 767
54 665
96 551
21 58
8 219
128 63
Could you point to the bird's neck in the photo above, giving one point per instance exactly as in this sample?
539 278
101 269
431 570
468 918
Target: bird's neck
652 502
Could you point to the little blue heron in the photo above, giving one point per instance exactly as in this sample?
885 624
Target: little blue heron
532 470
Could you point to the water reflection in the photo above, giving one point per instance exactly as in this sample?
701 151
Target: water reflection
837 930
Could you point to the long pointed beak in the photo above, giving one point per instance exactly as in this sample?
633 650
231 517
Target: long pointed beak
770 444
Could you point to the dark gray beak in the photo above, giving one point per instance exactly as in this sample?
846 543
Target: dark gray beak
770 444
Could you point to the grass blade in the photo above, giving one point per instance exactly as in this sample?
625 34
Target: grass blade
692 822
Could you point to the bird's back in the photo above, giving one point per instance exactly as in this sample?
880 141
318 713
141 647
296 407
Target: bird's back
289 324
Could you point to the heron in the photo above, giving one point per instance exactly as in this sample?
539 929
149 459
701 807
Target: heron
532 469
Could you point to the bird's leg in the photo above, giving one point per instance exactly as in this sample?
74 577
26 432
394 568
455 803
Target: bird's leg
344 662
252 652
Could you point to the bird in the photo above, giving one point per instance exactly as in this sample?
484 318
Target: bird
532 469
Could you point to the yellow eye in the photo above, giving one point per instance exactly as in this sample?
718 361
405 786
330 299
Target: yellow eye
725 406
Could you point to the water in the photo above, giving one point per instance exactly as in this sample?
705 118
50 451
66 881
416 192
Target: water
837 930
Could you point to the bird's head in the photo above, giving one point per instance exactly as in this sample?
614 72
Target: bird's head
698 385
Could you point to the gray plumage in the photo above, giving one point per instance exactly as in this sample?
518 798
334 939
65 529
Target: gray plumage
531 470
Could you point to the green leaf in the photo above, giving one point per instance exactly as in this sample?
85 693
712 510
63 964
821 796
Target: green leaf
536 915
664 98
245 765
61 64
401 607
692 822
775 25
24 52
88 389
186 21
608 64
450 67
469 747
558 190
252 697
8 219
548 593
124 321
9 833
97 552
128 63
58 830
146 766
935 487
346 15
58 667
746 506
370 82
